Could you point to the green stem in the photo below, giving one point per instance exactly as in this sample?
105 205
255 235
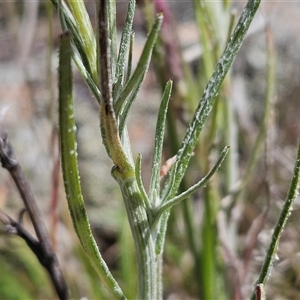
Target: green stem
124 173
284 215
148 262
208 250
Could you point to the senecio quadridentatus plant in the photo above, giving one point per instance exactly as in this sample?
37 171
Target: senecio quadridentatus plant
115 87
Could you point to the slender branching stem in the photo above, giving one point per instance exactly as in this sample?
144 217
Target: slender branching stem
124 173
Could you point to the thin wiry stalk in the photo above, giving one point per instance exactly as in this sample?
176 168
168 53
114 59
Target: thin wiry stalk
284 215
41 246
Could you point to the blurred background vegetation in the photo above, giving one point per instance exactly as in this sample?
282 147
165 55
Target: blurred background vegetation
216 241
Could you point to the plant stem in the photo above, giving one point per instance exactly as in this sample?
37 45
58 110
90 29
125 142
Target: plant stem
284 215
148 261
123 171
208 249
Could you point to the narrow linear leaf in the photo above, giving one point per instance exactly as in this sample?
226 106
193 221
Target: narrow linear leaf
112 32
138 175
284 215
86 76
130 53
125 40
142 67
68 23
167 205
158 145
71 177
124 44
135 88
161 234
127 105
79 60
206 103
83 68
86 34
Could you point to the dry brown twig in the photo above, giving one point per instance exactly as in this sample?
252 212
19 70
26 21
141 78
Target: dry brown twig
41 246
